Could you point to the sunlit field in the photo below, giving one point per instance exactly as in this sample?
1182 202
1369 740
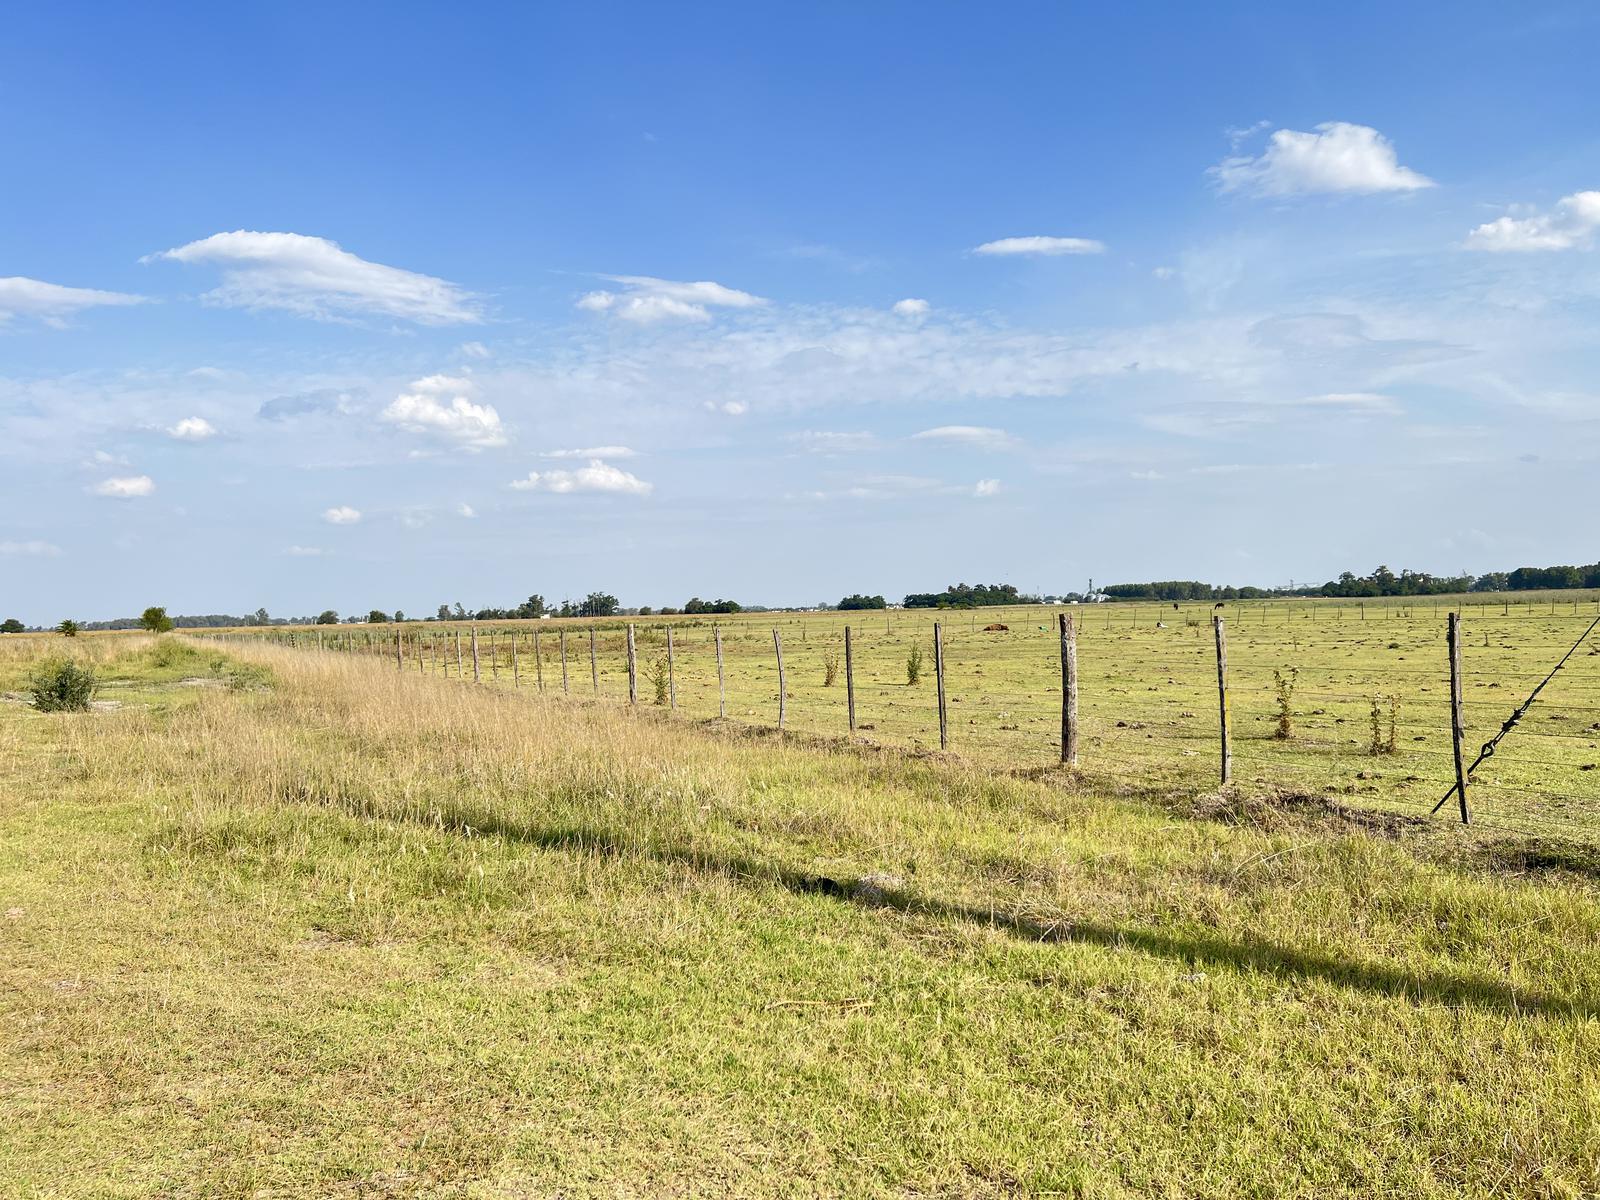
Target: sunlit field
281 923
1368 714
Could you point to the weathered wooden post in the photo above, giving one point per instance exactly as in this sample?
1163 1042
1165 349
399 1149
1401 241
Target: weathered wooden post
1069 691
849 680
494 659
594 664
938 680
477 675
459 671
672 682
538 661
1222 698
399 654
633 669
516 673
783 694
1456 720
564 687
722 683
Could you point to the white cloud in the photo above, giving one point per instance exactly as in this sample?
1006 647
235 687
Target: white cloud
1571 224
29 549
732 408
1338 157
982 436
306 552
647 300
1351 402
465 510
596 477
314 277
341 515
125 487
192 429
474 350
824 441
423 410
910 307
986 487
593 452
1047 246
51 302
1165 272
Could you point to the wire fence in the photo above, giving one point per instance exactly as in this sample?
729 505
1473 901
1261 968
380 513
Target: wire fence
1322 699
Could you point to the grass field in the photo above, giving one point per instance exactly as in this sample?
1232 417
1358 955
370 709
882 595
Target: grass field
287 924
1147 691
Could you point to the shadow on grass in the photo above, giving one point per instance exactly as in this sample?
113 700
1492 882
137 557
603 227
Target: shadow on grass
1455 989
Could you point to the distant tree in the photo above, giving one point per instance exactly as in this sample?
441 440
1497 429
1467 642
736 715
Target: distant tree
533 606
443 614
645 611
399 616
697 605
68 628
12 625
328 617
460 614
260 617
598 604
377 617
859 601
155 619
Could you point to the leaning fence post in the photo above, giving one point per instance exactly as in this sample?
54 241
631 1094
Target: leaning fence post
477 675
777 646
594 664
1069 691
722 683
672 683
1456 722
1222 698
633 669
938 680
849 680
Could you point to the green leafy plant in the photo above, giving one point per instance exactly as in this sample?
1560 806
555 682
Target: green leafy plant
914 665
1284 686
659 679
68 628
155 620
830 668
1385 712
61 685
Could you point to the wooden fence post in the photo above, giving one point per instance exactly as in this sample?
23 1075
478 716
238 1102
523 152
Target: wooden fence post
1222 698
849 679
938 679
594 664
399 655
1069 691
722 683
783 698
633 669
564 687
458 654
1456 721
538 661
477 675
672 682
516 673
494 659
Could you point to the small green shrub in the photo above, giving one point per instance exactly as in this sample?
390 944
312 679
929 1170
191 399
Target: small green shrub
1385 742
1284 685
61 685
659 679
914 665
830 668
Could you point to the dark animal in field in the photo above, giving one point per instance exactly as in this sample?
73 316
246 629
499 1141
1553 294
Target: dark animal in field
1174 606
1218 604
997 628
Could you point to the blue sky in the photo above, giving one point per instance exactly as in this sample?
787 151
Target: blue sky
374 306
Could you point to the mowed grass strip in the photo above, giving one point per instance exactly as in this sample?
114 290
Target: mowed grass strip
369 933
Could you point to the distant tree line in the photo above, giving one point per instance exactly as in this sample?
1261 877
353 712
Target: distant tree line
963 595
1182 589
859 601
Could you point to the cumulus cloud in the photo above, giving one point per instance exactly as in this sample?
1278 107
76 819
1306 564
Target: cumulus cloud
437 406
1042 246
125 487
598 476
986 487
29 550
646 300
192 429
341 515
1337 157
466 510
592 452
910 307
52 303
314 277
983 437
1571 224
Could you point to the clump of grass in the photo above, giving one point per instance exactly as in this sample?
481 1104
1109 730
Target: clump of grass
1284 686
1384 741
659 679
61 685
830 668
914 665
